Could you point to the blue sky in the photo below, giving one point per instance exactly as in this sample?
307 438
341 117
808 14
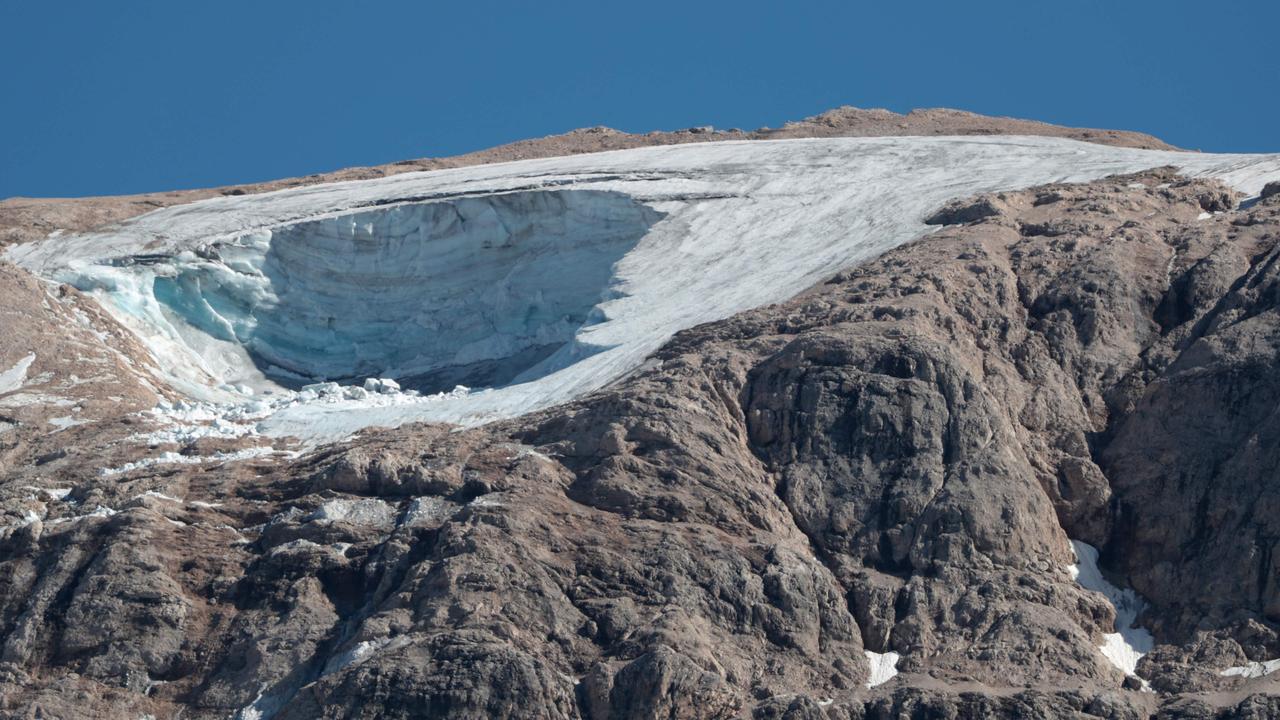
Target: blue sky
130 96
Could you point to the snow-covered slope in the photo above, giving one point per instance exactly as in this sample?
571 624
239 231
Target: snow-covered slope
532 281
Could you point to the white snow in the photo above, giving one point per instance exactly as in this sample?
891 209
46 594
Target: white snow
27 399
13 378
256 710
884 667
559 274
186 421
1125 647
68 421
100 511
1253 669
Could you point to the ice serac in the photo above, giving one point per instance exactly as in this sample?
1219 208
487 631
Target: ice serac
474 290
533 281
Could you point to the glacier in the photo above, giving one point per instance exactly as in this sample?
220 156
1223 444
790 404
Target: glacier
494 290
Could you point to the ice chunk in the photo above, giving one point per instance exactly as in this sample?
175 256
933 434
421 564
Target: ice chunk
13 378
381 385
322 389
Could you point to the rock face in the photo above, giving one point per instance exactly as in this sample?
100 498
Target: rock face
894 461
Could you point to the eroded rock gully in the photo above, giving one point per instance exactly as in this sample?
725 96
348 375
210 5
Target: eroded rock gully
894 461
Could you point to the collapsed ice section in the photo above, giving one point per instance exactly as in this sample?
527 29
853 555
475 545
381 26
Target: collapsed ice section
534 281
474 291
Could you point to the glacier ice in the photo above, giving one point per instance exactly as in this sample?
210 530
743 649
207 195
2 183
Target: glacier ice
530 282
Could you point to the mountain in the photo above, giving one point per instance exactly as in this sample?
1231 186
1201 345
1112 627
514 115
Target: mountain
873 415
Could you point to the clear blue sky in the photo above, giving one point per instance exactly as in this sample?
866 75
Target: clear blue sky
129 96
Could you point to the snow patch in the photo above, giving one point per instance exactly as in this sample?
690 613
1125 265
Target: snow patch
1125 647
184 422
55 493
13 378
355 655
1253 669
884 667
27 399
365 511
29 517
158 496
256 710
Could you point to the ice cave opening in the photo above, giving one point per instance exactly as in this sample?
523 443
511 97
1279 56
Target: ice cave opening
475 290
